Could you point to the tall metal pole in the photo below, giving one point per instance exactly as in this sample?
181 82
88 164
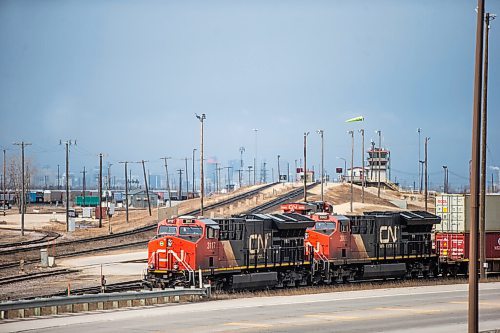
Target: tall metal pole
126 191
23 190
84 186
249 172
474 186
255 130
180 184
100 190
202 176
379 161
482 238
58 178
351 133
194 149
321 133
363 179
3 184
67 185
445 190
419 130
187 178
168 181
146 184
242 150
279 172
305 166
425 172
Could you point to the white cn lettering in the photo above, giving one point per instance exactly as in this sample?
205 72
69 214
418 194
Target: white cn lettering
260 242
388 234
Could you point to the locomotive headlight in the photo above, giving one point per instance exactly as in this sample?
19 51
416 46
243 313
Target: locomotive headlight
176 266
169 242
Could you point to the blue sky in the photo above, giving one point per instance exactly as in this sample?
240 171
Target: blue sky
126 77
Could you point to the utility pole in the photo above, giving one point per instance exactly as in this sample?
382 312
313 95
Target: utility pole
255 130
379 161
351 133
363 176
67 143
475 174
250 171
239 176
3 183
484 125
202 177
419 130
228 178
168 182
305 165
288 172
187 178
242 150
146 184
321 133
23 194
279 171
445 189
217 181
126 190
194 149
100 190
264 174
83 187
425 171
180 184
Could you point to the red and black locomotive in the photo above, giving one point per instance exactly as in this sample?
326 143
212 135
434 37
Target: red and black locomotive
292 248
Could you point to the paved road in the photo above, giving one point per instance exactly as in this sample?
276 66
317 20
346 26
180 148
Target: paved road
422 309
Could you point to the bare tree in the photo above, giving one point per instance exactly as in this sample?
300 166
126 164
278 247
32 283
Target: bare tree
14 177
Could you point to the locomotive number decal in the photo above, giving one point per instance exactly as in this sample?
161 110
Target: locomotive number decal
256 243
388 234
211 245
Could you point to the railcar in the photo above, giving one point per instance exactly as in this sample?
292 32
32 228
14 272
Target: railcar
373 245
244 252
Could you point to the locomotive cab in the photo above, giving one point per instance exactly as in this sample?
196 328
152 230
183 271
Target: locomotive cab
181 246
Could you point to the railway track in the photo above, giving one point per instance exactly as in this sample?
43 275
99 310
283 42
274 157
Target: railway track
278 201
132 232
30 276
48 237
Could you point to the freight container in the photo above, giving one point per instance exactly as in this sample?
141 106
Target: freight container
455 246
118 196
454 210
100 212
87 201
32 197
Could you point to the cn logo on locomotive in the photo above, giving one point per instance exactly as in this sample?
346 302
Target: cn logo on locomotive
256 243
388 234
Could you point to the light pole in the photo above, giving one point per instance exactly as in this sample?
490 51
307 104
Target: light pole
249 172
194 149
242 150
279 173
425 171
445 187
379 132
484 126
305 166
345 165
419 130
363 176
321 133
255 130
202 180
351 133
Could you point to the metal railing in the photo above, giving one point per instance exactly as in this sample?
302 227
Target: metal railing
55 302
